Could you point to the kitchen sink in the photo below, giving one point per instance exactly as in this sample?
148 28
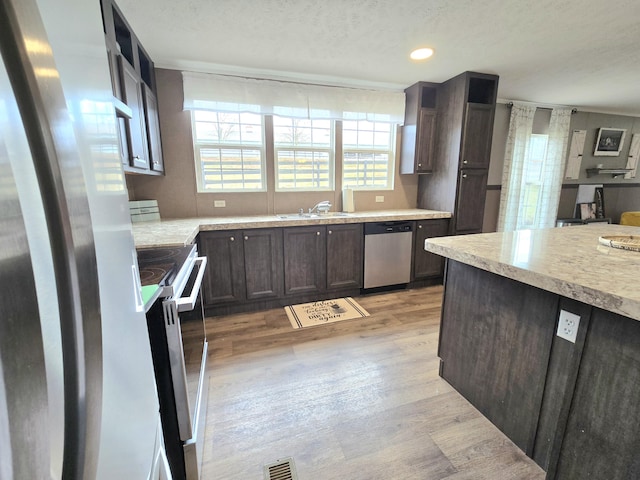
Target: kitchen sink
303 216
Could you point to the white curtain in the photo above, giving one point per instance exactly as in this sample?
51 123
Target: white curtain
515 212
299 100
554 166
515 157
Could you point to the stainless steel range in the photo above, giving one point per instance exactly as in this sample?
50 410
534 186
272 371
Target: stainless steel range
179 349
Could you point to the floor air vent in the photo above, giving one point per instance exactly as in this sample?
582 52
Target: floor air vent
283 469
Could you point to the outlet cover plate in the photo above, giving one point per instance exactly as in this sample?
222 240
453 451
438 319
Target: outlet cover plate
219 203
379 198
568 324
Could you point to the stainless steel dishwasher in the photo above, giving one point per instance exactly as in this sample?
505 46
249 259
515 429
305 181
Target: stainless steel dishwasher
387 253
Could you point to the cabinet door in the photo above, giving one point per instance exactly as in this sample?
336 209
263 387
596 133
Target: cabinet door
137 136
263 263
152 124
477 135
304 259
224 278
426 141
123 144
469 211
114 71
344 256
427 264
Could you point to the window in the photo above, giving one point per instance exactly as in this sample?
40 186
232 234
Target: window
532 181
228 151
368 155
303 154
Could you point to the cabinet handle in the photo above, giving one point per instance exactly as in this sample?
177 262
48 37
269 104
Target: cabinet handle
419 164
136 157
318 233
246 237
156 163
330 232
419 226
465 162
232 239
464 175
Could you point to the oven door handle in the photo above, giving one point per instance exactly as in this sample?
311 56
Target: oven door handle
186 304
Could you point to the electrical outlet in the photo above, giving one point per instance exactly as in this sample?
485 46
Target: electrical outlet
568 324
379 198
219 203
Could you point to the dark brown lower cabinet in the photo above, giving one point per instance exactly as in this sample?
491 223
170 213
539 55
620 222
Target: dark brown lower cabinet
344 256
263 269
304 259
242 265
321 258
224 279
427 264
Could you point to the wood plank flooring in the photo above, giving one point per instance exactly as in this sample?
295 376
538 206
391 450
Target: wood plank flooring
353 400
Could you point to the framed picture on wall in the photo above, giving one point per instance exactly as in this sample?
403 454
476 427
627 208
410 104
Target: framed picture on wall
609 142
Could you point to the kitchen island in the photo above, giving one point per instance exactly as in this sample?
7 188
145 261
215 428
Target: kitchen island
570 401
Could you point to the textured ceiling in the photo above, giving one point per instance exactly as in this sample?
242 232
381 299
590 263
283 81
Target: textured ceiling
580 53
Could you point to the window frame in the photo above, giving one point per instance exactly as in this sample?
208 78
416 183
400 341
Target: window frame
198 145
391 164
269 150
330 150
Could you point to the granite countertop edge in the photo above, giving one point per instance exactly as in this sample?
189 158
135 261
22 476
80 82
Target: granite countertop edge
568 261
183 231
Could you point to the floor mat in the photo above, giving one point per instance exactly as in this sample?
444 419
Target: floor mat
324 311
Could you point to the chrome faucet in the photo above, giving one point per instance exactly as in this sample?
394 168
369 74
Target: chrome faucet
322 207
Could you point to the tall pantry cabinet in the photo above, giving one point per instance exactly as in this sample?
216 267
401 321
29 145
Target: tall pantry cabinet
461 151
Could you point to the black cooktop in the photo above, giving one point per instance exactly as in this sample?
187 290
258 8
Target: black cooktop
159 266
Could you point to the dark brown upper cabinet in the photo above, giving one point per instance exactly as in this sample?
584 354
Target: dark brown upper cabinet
419 130
134 91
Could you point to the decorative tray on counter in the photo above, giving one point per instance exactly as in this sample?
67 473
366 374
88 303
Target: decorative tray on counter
624 242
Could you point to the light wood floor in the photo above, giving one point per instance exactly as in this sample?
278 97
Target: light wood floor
353 400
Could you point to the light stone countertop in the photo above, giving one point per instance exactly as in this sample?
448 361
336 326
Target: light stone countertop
183 231
568 261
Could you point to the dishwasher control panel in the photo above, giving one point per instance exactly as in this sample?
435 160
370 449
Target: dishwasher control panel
376 228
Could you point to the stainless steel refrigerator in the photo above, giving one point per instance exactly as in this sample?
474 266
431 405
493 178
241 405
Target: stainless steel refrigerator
77 391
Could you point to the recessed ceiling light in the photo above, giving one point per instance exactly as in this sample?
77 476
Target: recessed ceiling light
421 53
